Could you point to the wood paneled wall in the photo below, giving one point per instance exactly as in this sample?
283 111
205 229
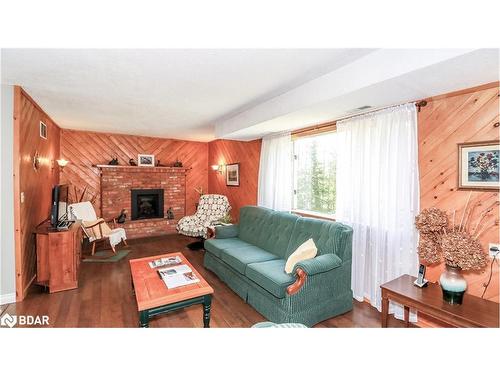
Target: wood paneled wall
84 149
465 116
229 152
34 185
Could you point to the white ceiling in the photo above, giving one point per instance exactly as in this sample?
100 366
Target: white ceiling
167 93
229 93
382 78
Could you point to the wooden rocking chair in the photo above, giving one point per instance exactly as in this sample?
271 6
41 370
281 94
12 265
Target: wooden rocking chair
97 229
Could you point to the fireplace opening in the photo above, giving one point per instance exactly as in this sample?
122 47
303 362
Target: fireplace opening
147 203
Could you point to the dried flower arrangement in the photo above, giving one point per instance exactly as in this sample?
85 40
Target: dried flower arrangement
458 245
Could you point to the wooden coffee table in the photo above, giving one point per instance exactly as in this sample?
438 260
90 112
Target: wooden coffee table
154 298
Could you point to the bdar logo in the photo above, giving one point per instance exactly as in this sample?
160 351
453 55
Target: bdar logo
8 320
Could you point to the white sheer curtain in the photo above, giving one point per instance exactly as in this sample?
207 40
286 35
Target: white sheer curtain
378 195
275 172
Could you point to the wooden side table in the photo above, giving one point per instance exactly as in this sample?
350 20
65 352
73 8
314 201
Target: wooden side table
474 312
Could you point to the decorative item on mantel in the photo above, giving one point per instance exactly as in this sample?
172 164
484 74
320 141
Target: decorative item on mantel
458 245
132 162
177 164
146 160
170 214
113 161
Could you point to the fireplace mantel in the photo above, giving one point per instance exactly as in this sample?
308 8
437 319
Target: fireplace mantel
132 168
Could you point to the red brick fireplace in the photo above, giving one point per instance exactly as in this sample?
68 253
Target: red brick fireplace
117 184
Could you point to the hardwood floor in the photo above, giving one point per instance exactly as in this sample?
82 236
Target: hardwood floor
104 297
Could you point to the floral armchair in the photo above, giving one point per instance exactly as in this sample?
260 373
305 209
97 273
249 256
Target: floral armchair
211 209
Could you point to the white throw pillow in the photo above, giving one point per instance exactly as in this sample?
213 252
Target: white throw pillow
307 250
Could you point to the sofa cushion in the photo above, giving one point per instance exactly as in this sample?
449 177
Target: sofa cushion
239 258
215 245
252 221
275 236
267 229
271 276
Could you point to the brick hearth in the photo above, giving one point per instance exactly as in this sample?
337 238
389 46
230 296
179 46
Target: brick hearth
118 181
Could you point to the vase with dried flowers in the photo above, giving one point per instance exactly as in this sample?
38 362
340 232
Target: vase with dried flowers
456 243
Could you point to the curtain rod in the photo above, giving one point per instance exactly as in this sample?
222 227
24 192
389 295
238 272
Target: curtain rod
419 104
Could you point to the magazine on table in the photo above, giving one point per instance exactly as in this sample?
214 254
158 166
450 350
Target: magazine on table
176 276
162 262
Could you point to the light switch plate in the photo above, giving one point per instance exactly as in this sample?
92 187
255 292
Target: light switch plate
492 252
22 196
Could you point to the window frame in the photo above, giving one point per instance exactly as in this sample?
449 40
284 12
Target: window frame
315 131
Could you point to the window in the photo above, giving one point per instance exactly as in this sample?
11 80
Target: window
315 165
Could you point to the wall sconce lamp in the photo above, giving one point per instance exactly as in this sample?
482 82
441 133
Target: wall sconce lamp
62 163
218 168
37 160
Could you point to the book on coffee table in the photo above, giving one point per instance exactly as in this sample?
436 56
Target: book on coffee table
177 276
166 261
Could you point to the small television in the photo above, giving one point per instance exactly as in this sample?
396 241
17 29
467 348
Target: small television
59 210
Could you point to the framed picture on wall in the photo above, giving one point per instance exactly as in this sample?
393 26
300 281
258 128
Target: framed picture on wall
478 165
233 174
144 160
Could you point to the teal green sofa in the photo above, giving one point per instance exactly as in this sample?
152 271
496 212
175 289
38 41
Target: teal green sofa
250 258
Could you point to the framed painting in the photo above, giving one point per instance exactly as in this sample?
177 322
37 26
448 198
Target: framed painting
233 174
144 160
478 165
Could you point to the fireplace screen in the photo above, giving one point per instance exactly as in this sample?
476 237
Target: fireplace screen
147 204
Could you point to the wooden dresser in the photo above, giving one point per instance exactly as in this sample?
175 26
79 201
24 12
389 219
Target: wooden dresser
58 256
